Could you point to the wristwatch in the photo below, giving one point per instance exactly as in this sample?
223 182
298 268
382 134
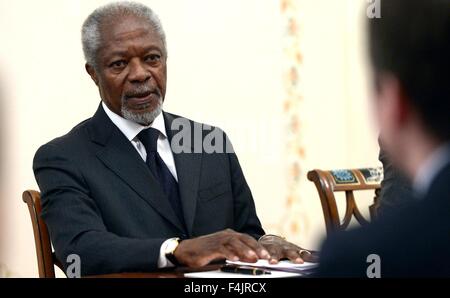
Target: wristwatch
170 249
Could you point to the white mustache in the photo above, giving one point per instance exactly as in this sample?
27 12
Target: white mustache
141 90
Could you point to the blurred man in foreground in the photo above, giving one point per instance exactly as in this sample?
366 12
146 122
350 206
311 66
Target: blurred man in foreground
409 50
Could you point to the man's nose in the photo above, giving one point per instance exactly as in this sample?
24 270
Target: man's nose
138 72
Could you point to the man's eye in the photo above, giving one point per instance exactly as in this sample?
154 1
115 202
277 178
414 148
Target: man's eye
118 64
152 58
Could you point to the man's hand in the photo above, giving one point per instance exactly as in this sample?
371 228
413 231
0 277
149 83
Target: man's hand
227 244
279 249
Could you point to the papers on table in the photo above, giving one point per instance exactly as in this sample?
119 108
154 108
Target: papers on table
220 274
282 269
286 266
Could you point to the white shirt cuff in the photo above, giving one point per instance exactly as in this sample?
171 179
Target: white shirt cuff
163 262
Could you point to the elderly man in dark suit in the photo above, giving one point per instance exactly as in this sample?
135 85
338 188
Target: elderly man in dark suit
409 48
122 189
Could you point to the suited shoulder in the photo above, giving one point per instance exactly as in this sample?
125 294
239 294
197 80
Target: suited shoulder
344 254
200 137
175 121
72 141
416 230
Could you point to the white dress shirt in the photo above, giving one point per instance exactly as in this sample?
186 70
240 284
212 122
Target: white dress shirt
430 168
131 129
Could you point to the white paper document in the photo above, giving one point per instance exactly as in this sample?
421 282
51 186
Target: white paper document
287 266
220 274
280 270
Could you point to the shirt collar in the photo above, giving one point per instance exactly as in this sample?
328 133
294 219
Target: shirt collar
130 128
431 168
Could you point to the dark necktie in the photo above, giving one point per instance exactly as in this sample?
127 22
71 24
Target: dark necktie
149 138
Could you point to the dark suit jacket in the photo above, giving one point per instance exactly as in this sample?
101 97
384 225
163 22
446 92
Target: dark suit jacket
413 243
100 200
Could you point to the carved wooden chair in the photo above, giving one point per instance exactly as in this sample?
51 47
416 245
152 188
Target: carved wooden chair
45 257
348 181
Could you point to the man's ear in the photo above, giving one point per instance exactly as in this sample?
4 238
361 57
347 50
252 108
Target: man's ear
405 108
91 71
396 99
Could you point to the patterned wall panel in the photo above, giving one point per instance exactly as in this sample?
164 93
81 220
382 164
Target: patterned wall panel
294 221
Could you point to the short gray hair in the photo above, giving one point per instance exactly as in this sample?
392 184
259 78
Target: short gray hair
90 32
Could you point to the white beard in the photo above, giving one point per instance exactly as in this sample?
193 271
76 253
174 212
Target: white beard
146 118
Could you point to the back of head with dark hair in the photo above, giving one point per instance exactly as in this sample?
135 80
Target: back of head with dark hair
411 40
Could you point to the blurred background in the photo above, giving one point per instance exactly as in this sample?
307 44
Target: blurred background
287 80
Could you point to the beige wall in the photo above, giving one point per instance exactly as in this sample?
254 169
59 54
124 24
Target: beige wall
224 69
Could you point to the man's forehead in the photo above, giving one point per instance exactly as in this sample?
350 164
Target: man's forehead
127 27
133 33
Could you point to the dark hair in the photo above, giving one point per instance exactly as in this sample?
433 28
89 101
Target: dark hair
411 40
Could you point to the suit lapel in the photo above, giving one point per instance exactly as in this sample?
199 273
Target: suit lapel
188 167
119 155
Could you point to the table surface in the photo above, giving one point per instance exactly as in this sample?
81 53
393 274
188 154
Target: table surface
165 273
